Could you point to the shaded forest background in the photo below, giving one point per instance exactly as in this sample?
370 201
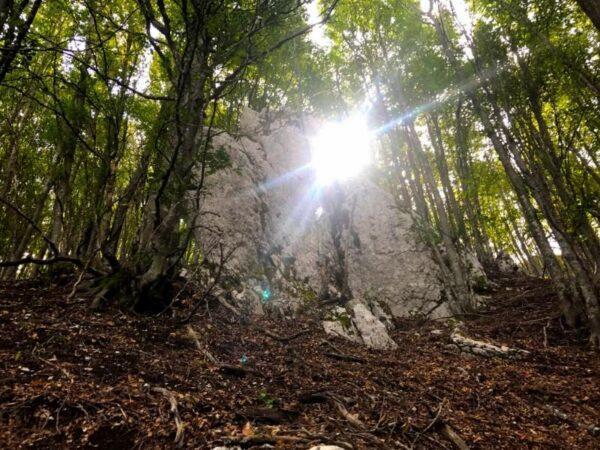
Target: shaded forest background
489 127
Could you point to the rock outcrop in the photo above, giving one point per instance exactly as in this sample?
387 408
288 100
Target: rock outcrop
297 246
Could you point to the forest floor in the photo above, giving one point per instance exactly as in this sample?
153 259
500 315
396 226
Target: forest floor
70 377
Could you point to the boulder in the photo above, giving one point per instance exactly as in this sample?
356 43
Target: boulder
357 323
506 264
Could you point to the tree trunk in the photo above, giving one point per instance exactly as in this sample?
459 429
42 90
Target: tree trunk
435 135
470 195
570 304
592 9
461 289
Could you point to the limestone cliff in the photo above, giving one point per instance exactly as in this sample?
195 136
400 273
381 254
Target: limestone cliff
300 246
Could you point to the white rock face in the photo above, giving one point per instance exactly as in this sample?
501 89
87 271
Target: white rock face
297 243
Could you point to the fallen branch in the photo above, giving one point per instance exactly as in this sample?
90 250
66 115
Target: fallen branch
351 418
62 369
229 306
431 424
481 348
194 337
262 439
53 248
24 216
454 437
592 429
237 370
338 354
47 262
319 396
223 258
178 423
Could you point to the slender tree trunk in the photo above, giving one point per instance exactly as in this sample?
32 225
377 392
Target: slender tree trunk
470 195
570 305
14 36
435 135
461 289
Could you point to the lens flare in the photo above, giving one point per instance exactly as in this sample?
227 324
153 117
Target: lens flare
341 149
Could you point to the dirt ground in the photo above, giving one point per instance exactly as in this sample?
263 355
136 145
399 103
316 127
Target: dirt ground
72 378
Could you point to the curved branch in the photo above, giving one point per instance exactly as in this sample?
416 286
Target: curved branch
47 262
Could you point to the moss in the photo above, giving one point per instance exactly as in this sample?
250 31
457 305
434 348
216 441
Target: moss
342 317
306 294
345 320
480 284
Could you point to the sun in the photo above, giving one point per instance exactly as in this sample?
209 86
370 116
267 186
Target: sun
341 150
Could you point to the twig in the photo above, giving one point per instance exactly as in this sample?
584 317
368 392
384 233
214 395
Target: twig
24 216
351 418
78 282
63 370
545 334
223 258
229 306
455 438
194 338
431 424
338 354
237 370
178 423
46 262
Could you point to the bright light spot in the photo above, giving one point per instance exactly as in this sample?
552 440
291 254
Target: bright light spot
341 149
266 295
154 33
319 212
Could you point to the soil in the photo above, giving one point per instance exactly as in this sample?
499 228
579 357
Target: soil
74 378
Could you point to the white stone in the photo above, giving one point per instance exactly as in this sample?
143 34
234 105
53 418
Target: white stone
372 332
